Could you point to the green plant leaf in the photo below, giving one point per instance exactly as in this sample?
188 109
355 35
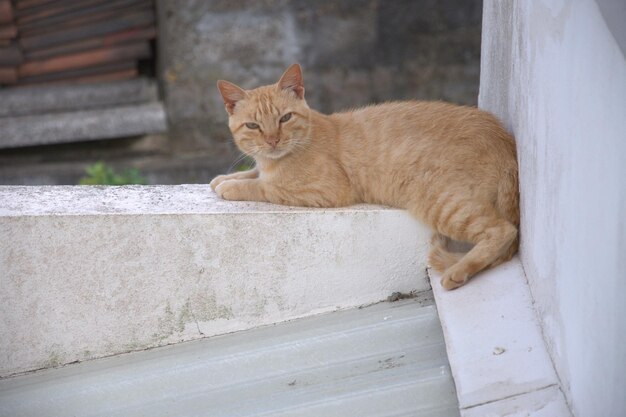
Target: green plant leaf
101 174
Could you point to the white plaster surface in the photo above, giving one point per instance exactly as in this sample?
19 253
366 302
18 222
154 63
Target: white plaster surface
494 342
554 73
547 402
87 272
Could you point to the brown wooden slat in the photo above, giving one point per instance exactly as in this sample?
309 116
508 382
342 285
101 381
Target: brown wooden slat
66 22
96 29
82 72
126 36
100 7
67 76
85 14
85 59
111 76
10 55
6 11
27 4
73 8
8 31
50 9
8 75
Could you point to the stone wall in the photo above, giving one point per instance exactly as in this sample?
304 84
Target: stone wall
353 52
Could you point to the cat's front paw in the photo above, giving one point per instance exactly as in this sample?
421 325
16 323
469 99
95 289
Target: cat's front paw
229 190
217 181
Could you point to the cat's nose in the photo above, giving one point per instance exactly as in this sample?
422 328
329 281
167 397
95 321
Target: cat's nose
272 141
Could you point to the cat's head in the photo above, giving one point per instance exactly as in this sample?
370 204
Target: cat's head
270 121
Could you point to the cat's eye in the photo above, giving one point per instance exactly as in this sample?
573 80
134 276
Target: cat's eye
252 126
285 118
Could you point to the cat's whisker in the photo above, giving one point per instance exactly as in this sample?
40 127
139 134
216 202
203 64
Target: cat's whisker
237 161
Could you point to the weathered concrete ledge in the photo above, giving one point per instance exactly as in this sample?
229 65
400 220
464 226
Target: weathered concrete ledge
47 99
87 272
92 124
497 354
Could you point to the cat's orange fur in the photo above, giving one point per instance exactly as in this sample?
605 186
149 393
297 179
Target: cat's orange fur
452 167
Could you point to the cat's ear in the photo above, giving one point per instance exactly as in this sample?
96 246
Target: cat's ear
292 80
231 94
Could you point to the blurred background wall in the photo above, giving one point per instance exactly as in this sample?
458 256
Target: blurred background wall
353 52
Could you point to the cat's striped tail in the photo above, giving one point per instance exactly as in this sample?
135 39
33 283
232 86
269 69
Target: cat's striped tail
507 206
440 258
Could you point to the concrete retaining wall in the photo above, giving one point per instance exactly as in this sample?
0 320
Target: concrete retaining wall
87 272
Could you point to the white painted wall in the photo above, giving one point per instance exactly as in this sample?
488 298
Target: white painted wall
554 73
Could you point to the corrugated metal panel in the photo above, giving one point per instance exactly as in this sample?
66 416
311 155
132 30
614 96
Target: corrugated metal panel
384 360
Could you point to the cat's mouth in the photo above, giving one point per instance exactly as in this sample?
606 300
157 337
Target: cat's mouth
275 153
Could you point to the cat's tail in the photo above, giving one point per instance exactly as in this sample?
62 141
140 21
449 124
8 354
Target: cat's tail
507 207
440 258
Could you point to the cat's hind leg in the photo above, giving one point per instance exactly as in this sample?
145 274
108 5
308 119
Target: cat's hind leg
493 237
512 250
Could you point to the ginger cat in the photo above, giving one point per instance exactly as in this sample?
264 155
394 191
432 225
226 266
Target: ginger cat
452 167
